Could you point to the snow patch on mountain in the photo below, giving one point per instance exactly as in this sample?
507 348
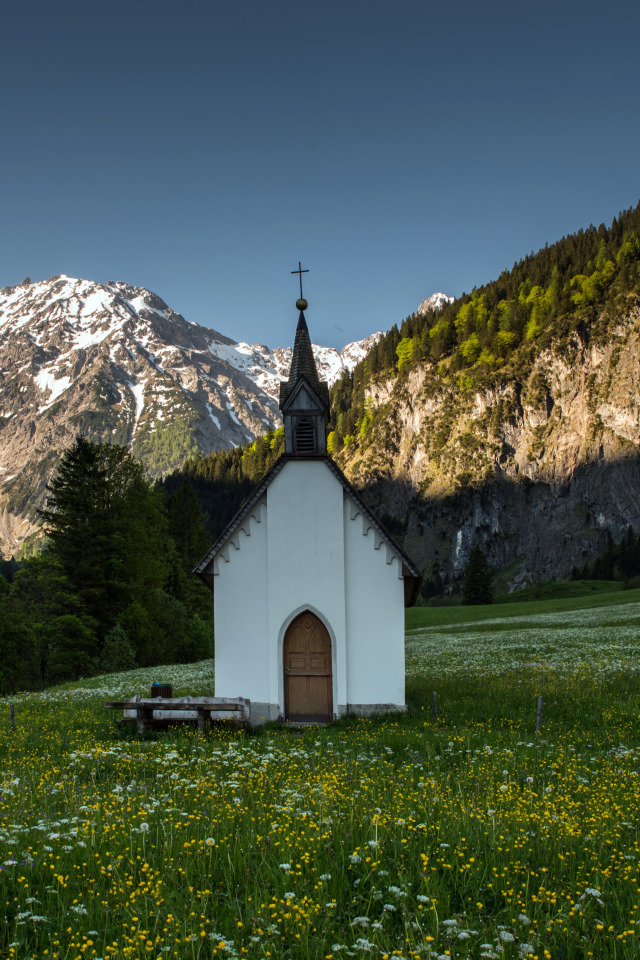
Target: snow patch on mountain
435 302
48 383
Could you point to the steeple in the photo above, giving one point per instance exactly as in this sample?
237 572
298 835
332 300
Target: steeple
304 398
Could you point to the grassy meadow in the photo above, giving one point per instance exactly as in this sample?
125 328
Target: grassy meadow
395 837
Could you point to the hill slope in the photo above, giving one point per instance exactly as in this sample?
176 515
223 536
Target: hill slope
511 416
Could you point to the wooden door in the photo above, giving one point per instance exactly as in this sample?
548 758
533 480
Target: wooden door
308 693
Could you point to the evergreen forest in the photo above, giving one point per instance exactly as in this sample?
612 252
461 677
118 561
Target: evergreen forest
112 588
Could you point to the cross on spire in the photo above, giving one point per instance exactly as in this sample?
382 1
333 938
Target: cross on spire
300 271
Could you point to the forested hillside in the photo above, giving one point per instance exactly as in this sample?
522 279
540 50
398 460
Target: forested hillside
494 333
486 419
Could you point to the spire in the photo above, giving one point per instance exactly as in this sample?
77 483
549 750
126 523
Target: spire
304 398
303 364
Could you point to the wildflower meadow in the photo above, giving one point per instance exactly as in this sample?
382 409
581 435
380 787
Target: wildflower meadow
404 836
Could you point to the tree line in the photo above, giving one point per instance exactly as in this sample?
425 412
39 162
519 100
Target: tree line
112 589
618 561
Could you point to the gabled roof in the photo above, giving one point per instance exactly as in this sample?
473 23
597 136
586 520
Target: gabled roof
410 572
292 400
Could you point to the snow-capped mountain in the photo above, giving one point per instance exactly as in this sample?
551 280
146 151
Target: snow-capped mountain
435 302
115 362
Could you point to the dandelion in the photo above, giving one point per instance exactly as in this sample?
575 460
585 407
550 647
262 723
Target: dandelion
210 842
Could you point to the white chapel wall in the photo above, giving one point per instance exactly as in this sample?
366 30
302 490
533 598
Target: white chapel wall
306 562
240 612
375 617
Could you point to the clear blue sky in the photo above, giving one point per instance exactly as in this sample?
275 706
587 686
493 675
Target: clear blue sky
202 148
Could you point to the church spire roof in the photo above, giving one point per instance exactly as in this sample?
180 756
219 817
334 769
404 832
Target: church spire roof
303 364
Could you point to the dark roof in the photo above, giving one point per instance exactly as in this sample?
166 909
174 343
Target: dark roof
303 366
409 569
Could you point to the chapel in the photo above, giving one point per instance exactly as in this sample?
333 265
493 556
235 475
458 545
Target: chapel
309 588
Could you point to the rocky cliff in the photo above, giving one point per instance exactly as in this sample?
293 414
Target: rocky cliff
540 466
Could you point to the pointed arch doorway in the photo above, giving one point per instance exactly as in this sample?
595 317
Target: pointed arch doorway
308 679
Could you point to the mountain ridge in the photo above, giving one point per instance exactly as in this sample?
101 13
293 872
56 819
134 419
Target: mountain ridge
115 362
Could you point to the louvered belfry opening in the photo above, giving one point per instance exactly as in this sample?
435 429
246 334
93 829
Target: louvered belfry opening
305 440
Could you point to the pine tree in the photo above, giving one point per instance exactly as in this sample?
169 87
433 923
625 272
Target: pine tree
478 579
105 527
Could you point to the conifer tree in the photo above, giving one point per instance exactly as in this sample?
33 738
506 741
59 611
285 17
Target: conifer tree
478 579
105 527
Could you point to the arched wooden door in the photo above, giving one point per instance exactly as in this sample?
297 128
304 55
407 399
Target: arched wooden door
308 681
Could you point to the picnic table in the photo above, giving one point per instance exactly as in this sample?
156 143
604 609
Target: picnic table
150 712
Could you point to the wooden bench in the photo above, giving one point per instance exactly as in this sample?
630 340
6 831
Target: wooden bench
153 712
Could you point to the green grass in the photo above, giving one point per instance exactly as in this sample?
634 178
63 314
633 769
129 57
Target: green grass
396 837
416 617
558 589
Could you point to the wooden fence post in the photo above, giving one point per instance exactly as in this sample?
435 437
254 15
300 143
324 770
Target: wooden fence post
539 717
435 707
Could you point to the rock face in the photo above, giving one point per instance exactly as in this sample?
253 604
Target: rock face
113 361
540 469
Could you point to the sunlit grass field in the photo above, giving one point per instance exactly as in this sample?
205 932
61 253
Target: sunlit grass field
470 837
